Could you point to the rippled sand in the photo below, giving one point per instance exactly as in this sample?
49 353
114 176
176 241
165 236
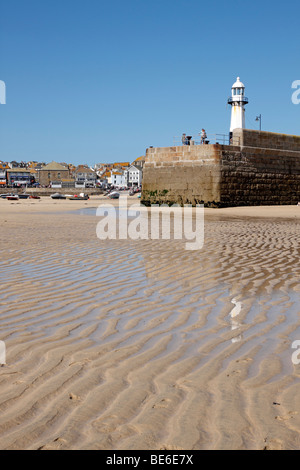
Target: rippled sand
142 344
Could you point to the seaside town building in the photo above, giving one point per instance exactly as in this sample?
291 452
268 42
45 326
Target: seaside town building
121 165
15 164
139 161
18 177
53 172
135 174
3 169
85 177
119 178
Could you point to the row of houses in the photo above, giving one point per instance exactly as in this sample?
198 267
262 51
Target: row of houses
60 175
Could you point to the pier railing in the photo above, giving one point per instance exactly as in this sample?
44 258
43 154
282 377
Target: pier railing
222 139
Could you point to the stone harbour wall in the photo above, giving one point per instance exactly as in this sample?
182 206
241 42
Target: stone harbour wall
224 175
262 139
182 175
259 177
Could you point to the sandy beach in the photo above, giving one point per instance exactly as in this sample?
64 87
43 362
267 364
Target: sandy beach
141 344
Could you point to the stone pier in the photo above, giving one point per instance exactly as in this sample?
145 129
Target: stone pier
264 169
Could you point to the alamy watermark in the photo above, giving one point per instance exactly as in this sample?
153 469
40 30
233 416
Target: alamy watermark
138 222
296 354
2 92
2 353
296 94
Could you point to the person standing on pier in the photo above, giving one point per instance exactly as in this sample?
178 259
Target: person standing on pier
203 136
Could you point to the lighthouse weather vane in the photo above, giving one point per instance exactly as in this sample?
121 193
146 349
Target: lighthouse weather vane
237 102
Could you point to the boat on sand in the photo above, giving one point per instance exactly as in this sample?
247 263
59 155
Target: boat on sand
58 196
80 197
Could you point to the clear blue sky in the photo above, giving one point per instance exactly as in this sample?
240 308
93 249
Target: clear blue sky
91 81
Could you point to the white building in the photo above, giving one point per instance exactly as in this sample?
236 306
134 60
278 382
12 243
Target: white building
237 102
118 178
135 175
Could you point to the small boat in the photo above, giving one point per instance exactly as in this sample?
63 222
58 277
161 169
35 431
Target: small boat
58 196
34 197
12 197
80 197
23 196
114 195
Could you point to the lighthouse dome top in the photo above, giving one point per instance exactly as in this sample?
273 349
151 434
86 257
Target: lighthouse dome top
238 84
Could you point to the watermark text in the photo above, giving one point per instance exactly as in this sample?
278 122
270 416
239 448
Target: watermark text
2 353
2 92
138 222
296 354
296 94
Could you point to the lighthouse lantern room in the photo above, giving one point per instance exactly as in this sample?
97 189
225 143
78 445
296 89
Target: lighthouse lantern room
237 102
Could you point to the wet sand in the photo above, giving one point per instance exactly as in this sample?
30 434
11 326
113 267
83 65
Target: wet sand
122 344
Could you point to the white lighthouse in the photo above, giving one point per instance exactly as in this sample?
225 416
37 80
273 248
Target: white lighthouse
237 102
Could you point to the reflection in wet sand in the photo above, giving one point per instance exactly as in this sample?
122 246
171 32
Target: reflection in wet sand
235 325
122 344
